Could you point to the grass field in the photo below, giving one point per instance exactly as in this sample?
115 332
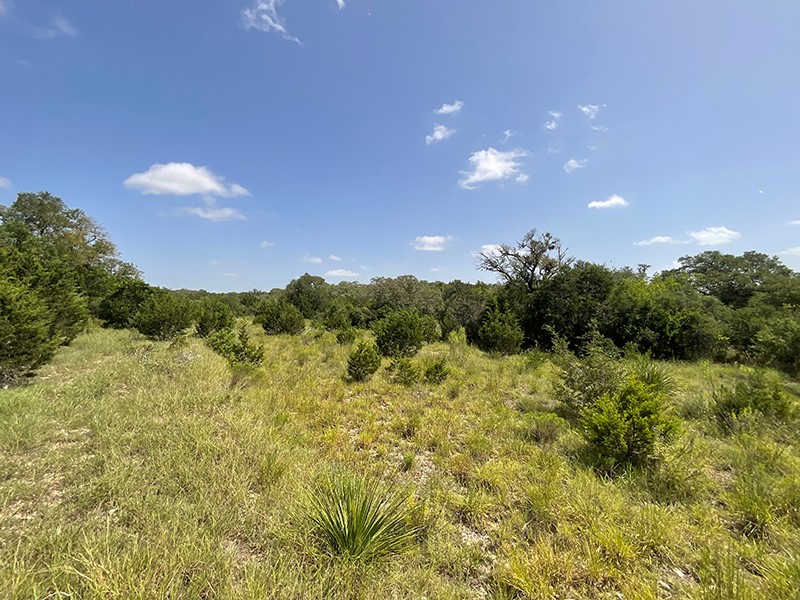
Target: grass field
133 469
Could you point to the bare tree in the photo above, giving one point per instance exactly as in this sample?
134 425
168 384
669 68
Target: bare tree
534 259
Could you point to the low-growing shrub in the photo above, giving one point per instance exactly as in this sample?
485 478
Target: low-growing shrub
236 347
213 315
584 380
654 374
164 316
363 362
362 519
400 333
437 371
280 317
624 427
346 336
404 372
754 396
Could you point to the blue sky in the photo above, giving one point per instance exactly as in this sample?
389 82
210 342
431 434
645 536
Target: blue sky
236 144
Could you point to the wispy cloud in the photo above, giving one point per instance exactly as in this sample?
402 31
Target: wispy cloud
314 260
590 110
795 251
614 201
522 178
440 133
573 165
552 124
714 236
601 128
334 258
230 275
21 62
341 273
182 179
340 4
58 26
491 165
660 239
508 134
5 182
431 243
266 244
5 7
213 213
262 15
794 222
449 109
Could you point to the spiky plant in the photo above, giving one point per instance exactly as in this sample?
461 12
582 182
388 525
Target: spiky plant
360 518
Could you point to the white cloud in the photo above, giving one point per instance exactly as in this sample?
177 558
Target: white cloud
215 214
795 251
64 26
589 110
602 128
182 179
487 249
440 133
552 124
522 178
491 165
431 243
230 275
5 183
713 236
334 258
573 165
266 244
660 239
508 134
340 4
263 16
438 269
341 273
449 109
316 260
614 201
790 222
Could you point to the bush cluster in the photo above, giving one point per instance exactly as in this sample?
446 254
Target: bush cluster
363 362
236 347
278 317
754 396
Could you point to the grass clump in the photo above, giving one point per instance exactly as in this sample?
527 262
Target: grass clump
363 362
623 428
359 518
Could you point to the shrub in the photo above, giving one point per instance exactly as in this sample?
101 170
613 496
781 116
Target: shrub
778 343
361 519
400 333
236 347
213 315
280 317
118 309
585 380
363 362
654 374
404 372
753 396
623 428
163 316
346 336
25 338
437 371
499 332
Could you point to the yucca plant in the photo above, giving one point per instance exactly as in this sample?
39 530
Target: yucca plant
360 518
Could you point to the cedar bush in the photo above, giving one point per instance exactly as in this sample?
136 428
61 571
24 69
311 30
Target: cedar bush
164 316
499 332
623 428
363 362
280 317
404 372
236 347
213 315
401 333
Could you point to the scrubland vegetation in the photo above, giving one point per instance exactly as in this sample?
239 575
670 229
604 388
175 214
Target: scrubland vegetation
574 432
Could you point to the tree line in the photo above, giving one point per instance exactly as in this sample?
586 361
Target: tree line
59 272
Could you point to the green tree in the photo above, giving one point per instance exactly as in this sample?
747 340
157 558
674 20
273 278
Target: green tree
278 317
499 331
309 294
164 316
400 333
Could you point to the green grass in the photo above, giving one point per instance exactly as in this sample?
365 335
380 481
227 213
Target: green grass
132 469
